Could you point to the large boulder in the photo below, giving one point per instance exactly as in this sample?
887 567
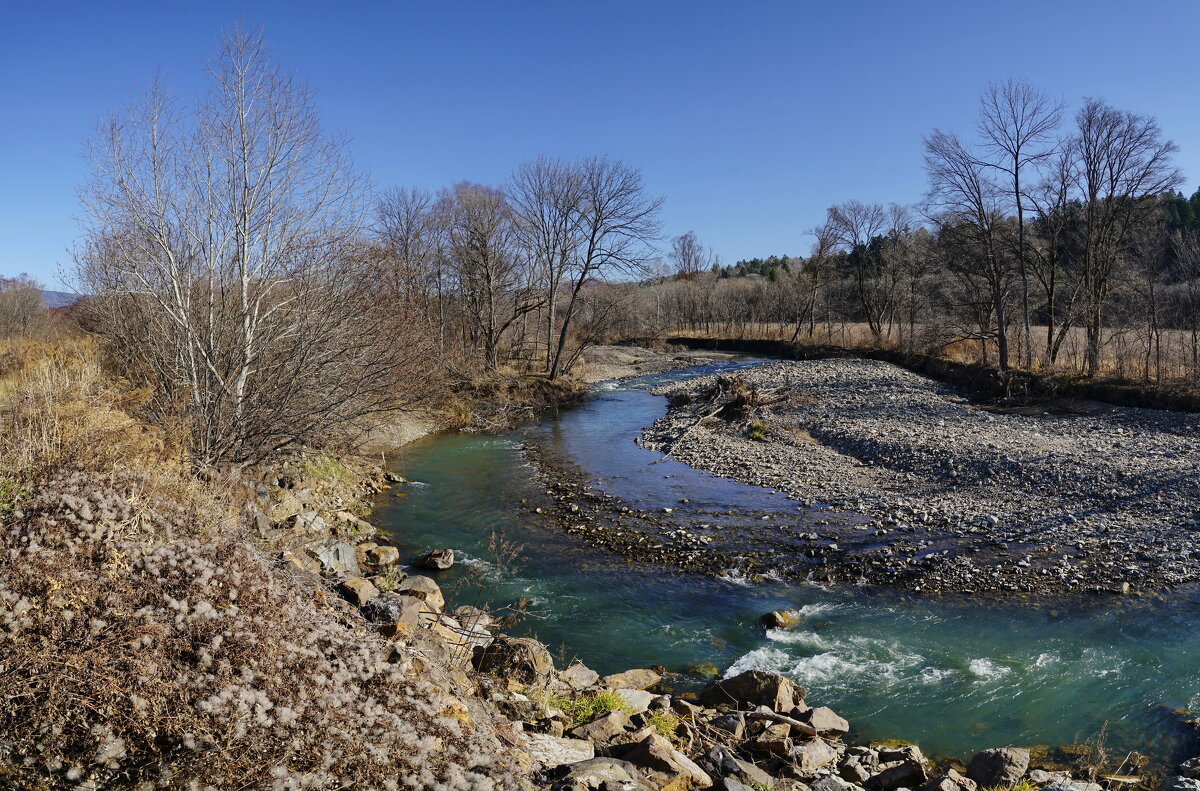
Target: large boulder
359 590
424 589
730 773
437 560
898 774
578 677
832 782
812 756
516 659
638 678
383 556
552 751
663 764
605 729
393 609
602 774
635 700
1002 766
782 619
951 781
337 558
1181 784
823 719
753 688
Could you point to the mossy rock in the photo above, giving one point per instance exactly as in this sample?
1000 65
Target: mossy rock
702 670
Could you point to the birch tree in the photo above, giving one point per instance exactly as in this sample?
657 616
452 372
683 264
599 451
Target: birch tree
222 248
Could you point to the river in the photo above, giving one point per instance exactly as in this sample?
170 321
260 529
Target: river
954 677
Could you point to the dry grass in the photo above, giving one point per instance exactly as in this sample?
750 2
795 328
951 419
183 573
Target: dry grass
145 643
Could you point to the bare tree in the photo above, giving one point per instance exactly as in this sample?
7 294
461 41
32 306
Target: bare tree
1017 122
223 253
966 201
547 197
616 224
492 277
22 310
689 256
1122 163
856 225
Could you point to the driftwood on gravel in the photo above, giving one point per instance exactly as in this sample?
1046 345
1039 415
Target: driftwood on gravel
731 398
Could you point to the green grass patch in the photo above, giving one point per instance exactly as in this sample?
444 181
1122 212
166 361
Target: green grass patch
586 708
757 432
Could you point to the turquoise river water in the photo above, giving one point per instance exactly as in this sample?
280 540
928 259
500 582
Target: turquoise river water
954 677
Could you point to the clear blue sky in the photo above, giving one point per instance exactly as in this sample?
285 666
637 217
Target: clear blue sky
748 117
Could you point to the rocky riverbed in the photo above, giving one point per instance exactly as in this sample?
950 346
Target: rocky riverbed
948 496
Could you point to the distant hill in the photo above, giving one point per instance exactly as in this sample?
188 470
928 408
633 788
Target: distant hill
59 299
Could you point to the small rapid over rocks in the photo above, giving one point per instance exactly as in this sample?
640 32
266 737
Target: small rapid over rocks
956 676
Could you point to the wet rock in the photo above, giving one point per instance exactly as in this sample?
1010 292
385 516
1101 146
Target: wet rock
638 678
437 560
553 751
782 619
425 589
753 688
1190 768
663 764
823 719
1003 766
359 591
516 659
702 670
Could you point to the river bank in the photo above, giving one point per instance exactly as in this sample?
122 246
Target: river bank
950 497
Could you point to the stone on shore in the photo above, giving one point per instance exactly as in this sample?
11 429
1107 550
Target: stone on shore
754 688
1181 784
824 720
424 589
520 660
638 678
605 729
359 590
337 558
951 781
810 757
578 677
603 774
637 700
1003 766
663 764
383 556
553 751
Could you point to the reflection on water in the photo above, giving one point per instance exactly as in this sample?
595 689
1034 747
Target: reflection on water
953 677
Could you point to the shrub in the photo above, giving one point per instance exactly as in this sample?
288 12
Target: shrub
757 432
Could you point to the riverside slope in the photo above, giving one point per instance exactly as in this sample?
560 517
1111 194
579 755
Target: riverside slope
958 499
